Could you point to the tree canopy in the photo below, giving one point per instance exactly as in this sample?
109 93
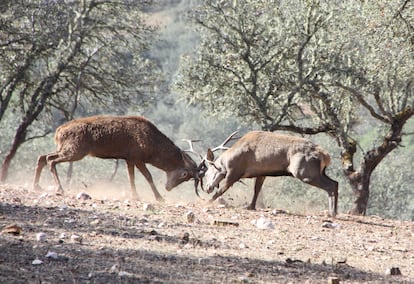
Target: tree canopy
309 67
62 57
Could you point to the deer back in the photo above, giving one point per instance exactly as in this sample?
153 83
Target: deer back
268 153
128 137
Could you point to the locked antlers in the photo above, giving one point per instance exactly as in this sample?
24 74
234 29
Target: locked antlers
202 167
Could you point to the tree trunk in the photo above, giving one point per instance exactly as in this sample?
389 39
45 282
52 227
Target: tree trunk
360 179
19 139
360 182
38 101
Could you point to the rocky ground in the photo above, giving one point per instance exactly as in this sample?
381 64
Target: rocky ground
73 239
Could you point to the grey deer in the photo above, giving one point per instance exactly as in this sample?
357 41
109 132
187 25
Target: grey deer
259 154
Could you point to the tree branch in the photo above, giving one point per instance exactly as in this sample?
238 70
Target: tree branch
364 103
325 128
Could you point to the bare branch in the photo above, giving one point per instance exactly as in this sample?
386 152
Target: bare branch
364 103
38 136
304 130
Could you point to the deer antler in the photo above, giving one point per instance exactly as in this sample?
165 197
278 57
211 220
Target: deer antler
222 145
202 168
191 150
198 179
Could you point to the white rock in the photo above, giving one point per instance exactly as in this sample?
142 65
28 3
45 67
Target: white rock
203 260
263 224
70 220
114 268
190 216
44 195
63 236
331 225
125 274
51 254
148 207
76 238
37 262
95 222
63 207
278 211
41 237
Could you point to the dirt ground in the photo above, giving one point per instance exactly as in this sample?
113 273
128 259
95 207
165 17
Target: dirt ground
50 239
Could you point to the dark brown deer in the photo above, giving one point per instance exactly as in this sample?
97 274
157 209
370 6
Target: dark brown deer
259 154
132 138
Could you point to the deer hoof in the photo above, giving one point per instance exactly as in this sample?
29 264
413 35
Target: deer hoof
160 199
37 188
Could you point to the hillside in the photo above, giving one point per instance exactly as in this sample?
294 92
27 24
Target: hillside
121 241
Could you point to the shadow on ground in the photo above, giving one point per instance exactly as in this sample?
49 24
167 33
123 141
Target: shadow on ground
78 263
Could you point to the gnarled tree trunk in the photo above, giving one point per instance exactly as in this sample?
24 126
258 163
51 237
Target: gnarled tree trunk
19 138
360 179
360 182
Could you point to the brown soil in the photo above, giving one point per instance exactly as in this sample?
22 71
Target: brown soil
132 242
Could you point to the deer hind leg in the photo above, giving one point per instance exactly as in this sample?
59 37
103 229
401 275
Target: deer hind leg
257 187
69 174
41 163
330 186
131 175
309 172
56 158
115 170
145 172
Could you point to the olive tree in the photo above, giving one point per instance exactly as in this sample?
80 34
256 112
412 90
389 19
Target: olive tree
60 56
309 67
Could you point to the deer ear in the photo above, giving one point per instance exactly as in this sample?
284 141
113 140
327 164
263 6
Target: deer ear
210 155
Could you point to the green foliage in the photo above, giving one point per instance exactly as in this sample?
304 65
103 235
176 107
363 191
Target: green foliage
238 63
180 121
392 195
61 60
252 64
310 67
286 61
90 55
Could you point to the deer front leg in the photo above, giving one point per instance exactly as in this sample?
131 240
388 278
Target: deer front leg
227 184
143 169
257 187
53 160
